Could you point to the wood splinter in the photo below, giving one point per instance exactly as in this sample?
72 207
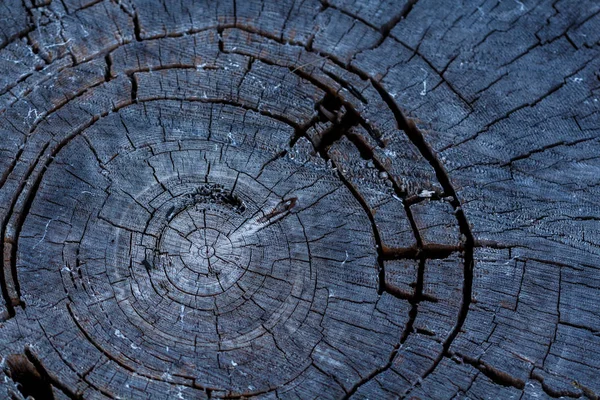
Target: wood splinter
283 207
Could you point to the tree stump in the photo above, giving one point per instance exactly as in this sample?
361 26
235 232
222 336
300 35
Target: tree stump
299 199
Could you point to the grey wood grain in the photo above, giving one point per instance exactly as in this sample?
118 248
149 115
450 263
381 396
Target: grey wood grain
299 199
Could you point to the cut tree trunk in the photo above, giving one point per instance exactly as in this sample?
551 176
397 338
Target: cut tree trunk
300 199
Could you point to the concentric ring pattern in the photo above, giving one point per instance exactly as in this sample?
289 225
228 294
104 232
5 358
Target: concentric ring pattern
225 211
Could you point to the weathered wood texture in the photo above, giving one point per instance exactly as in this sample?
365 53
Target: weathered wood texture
300 199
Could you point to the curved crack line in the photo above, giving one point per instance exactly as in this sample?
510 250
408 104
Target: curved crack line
462 224
416 137
40 177
10 245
